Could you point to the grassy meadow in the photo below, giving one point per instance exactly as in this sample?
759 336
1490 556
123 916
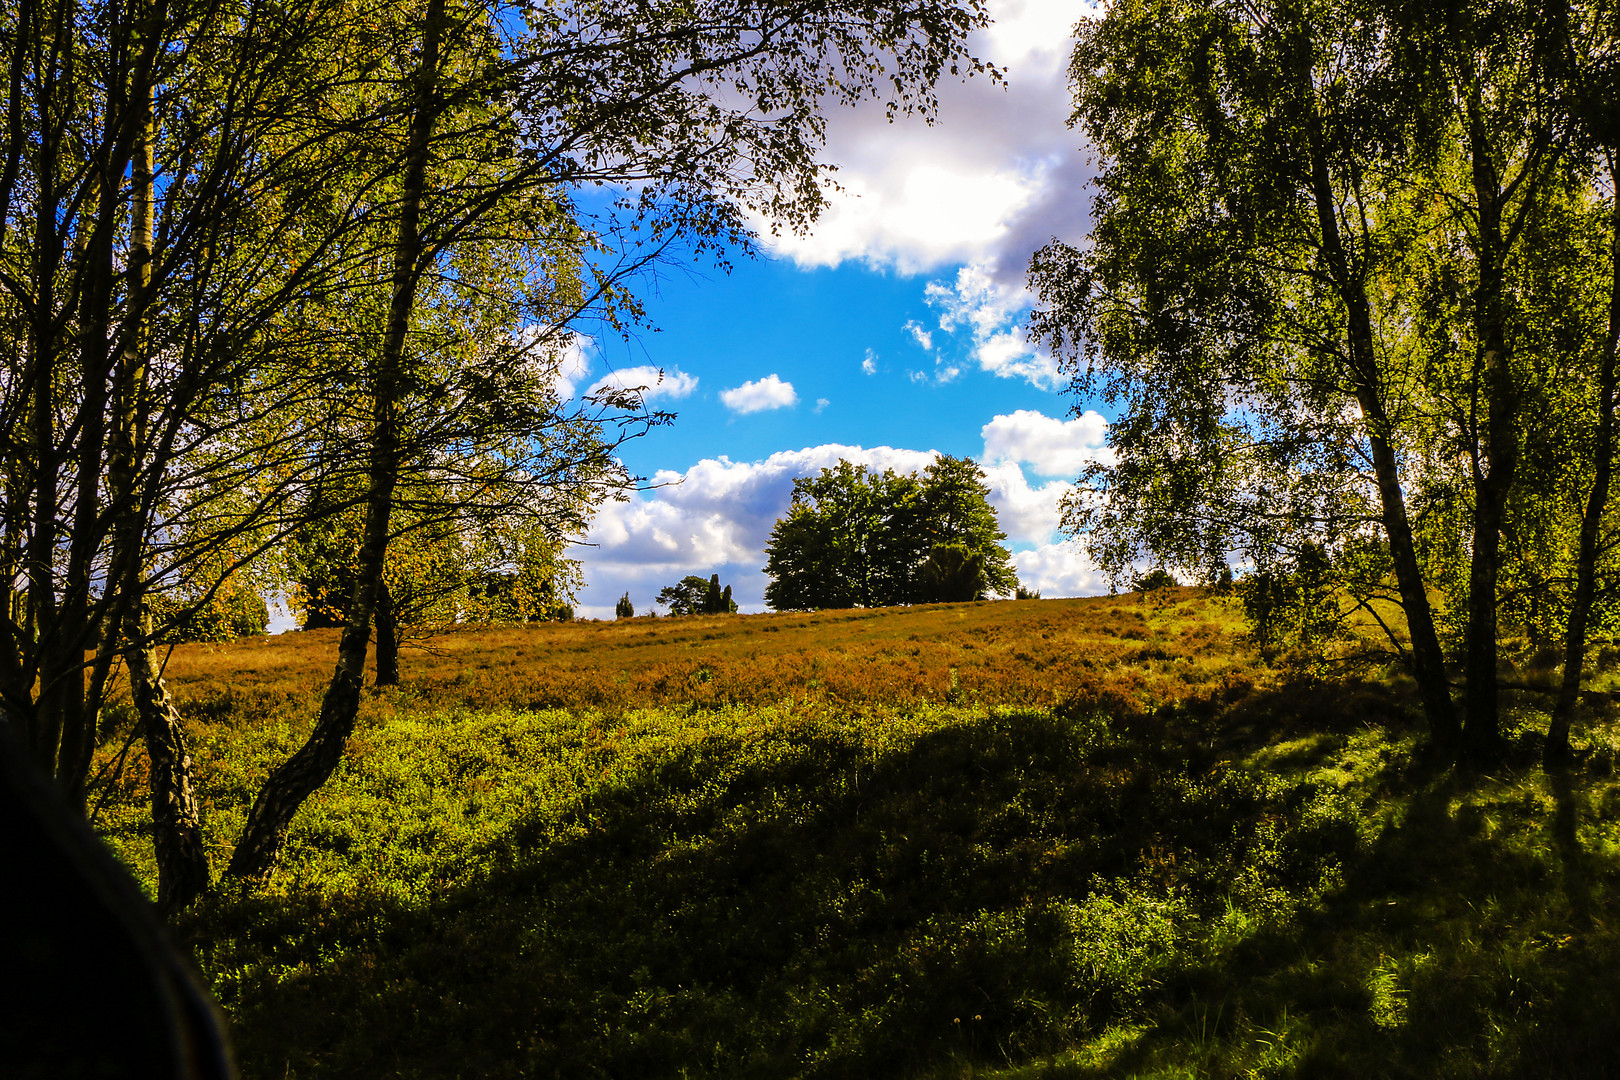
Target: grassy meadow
1060 838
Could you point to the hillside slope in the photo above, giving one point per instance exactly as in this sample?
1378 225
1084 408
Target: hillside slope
1024 652
1110 844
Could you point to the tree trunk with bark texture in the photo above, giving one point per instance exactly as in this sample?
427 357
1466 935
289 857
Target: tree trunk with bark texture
1494 467
301 775
1428 661
1555 755
387 638
182 858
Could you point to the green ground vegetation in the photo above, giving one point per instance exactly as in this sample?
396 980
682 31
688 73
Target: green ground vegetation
1251 870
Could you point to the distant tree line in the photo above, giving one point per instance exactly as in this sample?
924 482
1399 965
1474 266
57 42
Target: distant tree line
855 537
694 596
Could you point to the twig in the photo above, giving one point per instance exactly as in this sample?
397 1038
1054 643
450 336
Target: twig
1399 652
118 771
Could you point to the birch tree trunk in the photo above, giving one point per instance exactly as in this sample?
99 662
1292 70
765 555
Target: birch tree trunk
1556 751
302 774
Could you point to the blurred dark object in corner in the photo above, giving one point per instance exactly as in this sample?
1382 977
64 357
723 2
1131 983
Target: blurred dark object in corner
93 985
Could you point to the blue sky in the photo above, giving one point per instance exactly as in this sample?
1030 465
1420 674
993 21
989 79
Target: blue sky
890 331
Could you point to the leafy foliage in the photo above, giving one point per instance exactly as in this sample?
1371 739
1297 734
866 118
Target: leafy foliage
1293 606
439 573
1157 578
692 595
235 610
1347 287
951 573
856 538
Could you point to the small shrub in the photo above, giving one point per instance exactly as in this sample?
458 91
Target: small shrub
1157 578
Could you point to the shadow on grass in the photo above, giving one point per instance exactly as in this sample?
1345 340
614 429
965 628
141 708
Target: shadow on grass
1462 943
1070 895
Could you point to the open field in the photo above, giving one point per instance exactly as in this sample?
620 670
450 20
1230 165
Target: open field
1024 653
1060 838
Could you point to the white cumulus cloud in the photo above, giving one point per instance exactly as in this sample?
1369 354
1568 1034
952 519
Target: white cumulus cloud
1052 447
759 395
914 216
869 363
1028 515
920 332
654 382
992 179
990 312
1059 569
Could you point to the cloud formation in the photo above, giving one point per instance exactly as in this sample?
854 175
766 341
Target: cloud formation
1028 515
1060 569
991 313
1051 447
992 179
717 517
998 175
672 383
760 395
869 363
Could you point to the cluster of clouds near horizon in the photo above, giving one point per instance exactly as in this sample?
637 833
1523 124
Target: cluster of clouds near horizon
717 516
960 204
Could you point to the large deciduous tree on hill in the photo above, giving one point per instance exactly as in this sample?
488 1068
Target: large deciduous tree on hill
1323 285
854 537
848 540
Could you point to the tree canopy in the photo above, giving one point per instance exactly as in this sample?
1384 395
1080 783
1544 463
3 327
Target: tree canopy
269 260
854 537
1349 288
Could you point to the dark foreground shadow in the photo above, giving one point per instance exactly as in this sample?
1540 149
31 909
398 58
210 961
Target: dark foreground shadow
994 893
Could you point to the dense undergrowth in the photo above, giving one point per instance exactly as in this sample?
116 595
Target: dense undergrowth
1172 862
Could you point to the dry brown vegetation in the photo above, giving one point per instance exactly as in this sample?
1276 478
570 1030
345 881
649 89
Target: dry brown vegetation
1128 650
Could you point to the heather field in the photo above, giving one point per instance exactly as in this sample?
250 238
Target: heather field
1036 653
1065 838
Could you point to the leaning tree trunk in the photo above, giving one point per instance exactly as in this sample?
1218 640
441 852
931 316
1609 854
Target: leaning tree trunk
387 638
177 838
1556 752
301 775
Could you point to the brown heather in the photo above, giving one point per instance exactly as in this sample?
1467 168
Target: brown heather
1123 650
